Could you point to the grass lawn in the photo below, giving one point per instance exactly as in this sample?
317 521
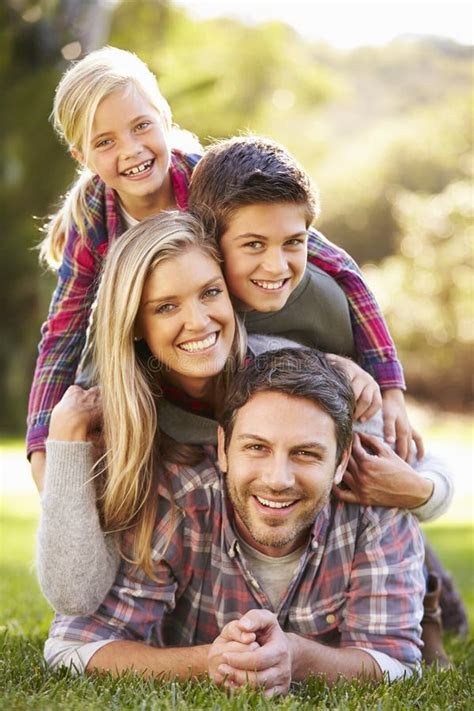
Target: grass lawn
25 683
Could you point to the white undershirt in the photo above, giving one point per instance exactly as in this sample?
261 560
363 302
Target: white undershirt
127 217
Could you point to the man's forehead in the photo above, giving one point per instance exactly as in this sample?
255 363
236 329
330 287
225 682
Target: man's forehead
271 414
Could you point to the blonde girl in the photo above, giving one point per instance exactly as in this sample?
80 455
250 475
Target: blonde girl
166 330
110 113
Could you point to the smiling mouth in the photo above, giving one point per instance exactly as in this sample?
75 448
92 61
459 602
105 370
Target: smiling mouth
199 346
270 285
138 169
272 505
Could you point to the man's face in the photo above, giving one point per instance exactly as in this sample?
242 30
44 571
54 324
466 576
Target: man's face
264 250
280 466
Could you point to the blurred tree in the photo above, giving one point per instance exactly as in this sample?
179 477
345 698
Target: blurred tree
424 151
427 292
34 41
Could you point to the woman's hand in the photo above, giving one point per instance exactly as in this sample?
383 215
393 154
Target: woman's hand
366 390
77 416
376 476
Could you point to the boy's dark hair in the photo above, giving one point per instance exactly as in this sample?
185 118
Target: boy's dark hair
299 372
243 171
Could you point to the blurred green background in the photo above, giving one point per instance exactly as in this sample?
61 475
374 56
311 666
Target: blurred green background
385 132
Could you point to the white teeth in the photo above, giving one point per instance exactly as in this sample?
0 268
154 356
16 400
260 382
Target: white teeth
138 168
274 504
269 284
192 346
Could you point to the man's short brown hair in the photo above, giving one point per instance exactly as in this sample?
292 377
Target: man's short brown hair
244 171
298 372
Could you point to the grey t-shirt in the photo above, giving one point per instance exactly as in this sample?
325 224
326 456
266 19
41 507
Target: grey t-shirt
316 315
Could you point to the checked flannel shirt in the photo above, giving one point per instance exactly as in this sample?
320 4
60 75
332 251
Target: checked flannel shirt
64 332
359 582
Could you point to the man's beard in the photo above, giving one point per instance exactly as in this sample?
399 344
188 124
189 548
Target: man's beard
276 533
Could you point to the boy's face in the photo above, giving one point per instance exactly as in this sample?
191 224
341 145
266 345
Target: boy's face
264 249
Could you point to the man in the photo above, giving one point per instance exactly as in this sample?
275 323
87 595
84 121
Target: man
261 574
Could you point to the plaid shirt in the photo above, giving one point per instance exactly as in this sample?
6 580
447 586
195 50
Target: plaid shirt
64 332
359 582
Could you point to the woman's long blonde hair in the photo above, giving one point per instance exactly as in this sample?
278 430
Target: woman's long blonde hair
81 89
129 389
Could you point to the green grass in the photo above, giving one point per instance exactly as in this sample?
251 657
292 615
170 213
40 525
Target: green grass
26 683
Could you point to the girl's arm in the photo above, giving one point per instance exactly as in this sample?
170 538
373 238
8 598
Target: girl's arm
64 332
76 562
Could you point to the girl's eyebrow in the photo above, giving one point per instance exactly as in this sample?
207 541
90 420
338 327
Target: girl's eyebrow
213 280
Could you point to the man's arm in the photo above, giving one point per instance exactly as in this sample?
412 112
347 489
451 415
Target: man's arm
181 662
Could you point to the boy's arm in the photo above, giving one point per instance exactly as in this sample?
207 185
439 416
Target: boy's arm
374 345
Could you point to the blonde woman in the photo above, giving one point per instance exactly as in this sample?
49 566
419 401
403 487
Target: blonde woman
166 339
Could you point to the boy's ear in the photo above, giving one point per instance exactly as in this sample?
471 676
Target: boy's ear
221 455
77 155
341 467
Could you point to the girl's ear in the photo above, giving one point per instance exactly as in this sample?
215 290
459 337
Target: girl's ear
77 155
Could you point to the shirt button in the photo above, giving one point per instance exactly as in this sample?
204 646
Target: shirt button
330 619
314 545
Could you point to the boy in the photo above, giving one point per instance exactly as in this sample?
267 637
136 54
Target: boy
259 204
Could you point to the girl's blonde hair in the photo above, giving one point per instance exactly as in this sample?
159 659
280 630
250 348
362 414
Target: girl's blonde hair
129 387
81 89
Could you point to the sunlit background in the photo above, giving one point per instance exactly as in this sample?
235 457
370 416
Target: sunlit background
375 99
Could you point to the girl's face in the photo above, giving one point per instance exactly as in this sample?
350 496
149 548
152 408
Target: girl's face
187 319
128 149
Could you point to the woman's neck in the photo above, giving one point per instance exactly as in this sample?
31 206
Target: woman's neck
205 390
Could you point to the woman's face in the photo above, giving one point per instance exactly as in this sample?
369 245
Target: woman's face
187 319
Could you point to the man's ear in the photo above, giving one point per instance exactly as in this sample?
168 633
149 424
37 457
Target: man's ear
341 467
221 455
77 155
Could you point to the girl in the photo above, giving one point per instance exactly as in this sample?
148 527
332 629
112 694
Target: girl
109 111
117 125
